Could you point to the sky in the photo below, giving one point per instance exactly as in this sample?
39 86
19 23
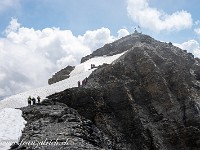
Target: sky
39 37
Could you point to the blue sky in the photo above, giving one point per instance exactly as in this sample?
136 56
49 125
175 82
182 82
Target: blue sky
39 37
82 15
75 15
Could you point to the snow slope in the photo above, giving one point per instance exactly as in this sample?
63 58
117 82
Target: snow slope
80 72
11 121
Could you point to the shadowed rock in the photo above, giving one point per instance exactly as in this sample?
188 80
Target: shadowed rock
61 75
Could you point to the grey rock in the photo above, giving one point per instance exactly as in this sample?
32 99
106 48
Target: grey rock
61 75
50 133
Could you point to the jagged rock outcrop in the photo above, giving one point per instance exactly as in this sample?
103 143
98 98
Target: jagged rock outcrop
148 99
53 125
61 75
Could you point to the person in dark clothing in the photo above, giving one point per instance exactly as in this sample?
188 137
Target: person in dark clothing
83 82
29 100
79 83
38 98
33 100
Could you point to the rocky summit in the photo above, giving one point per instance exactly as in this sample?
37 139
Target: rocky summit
148 99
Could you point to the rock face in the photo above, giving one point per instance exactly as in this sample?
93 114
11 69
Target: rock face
61 75
148 99
53 125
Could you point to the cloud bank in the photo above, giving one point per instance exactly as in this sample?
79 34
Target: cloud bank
157 20
28 57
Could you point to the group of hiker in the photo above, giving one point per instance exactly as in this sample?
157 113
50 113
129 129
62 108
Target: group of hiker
33 100
84 82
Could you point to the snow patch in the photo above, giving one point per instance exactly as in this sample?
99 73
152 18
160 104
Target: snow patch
11 125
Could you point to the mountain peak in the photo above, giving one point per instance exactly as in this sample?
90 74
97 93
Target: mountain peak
121 45
147 98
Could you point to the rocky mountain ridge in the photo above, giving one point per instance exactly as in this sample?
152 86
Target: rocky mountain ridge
61 75
148 99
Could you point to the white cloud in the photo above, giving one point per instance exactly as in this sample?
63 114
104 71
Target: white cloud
157 20
6 4
13 26
97 38
191 46
28 57
122 33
